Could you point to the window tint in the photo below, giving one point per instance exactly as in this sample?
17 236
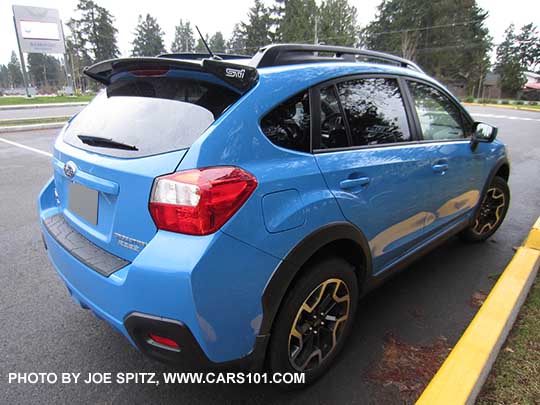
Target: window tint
211 97
333 132
439 117
288 125
153 114
374 108
153 125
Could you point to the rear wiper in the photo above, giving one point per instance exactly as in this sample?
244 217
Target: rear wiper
105 142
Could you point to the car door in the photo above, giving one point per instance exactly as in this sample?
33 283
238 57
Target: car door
364 146
457 171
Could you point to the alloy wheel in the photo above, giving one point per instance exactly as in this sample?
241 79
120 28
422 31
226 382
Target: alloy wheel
318 324
491 211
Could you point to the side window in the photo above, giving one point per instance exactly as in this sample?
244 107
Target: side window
288 125
375 110
439 118
333 132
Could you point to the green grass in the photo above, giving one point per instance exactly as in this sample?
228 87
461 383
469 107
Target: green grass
515 377
44 100
30 121
534 107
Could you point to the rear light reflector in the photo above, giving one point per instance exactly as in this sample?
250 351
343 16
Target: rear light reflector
199 201
164 341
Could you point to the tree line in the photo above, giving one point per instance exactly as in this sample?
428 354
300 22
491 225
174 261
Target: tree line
45 72
448 39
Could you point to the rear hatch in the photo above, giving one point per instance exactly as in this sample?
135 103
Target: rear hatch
135 130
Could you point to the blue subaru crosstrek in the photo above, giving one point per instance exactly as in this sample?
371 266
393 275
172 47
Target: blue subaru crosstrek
231 211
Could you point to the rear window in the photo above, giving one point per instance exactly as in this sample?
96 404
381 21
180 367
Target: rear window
148 116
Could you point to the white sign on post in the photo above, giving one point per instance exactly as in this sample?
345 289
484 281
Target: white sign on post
39 30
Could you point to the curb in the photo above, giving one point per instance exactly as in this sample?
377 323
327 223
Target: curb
66 117
505 106
30 106
32 127
462 375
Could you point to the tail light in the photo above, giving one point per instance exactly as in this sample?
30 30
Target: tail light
149 72
199 201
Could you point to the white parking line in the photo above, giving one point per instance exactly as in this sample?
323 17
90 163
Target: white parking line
508 117
41 152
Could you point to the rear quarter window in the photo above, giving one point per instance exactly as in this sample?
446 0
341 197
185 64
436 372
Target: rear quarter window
288 124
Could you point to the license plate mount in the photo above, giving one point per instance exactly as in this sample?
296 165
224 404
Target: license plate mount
83 202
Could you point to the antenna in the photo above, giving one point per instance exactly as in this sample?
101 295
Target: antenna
212 56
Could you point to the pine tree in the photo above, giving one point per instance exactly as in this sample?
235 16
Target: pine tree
92 38
217 43
257 30
297 21
277 12
4 77
337 23
148 37
508 64
105 41
448 39
14 71
78 58
94 31
184 40
237 43
200 47
45 71
528 47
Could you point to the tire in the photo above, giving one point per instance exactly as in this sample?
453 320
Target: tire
330 277
491 213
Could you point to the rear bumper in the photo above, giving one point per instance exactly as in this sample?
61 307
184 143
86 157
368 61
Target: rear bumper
204 291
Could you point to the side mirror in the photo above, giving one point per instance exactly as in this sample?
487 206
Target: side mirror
483 133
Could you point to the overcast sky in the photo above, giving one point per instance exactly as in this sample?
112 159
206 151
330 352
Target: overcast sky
219 15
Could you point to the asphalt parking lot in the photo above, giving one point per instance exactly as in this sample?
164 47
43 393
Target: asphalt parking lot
43 330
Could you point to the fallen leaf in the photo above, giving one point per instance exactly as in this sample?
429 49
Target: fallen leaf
478 298
409 368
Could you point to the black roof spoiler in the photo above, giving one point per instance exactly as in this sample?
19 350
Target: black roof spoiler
239 76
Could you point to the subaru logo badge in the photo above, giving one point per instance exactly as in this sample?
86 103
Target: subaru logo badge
69 169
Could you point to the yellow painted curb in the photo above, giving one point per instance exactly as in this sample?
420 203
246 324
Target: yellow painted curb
533 240
507 106
466 368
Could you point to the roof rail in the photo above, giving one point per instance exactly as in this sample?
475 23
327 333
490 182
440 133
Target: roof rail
290 54
200 56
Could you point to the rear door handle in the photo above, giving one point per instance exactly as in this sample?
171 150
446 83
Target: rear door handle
440 167
351 183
